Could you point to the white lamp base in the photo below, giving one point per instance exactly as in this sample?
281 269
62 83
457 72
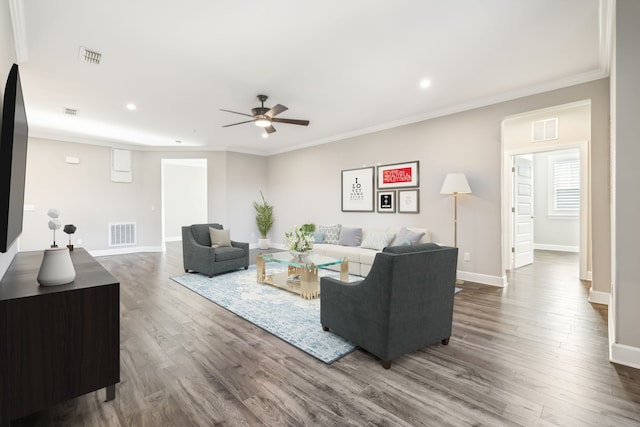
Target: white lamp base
56 268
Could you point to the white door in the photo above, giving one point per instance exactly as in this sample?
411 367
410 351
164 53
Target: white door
523 211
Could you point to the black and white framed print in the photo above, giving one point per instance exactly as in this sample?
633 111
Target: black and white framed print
357 190
409 201
386 201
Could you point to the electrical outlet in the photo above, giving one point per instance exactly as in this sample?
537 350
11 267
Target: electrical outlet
79 241
467 256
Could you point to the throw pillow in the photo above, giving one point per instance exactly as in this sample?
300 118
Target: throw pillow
219 238
350 236
407 237
377 240
318 237
331 233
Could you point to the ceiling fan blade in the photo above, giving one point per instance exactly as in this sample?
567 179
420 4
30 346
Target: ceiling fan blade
235 112
276 110
270 129
291 121
239 123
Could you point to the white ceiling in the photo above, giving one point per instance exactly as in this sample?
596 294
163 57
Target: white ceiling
348 66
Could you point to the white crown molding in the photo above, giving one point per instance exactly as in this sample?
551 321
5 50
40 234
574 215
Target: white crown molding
607 17
19 29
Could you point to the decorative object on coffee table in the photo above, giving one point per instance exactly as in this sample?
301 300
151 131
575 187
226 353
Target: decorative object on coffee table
69 229
298 241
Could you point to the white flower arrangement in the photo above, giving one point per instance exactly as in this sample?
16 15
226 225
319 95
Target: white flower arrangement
298 240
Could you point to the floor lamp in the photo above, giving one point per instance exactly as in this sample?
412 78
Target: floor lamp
455 183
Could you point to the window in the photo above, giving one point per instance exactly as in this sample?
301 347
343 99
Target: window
565 185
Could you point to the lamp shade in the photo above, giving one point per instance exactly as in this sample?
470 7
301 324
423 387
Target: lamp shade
455 183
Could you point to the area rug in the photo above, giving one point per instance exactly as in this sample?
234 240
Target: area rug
283 314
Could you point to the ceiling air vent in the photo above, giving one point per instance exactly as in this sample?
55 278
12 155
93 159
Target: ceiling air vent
89 56
70 112
544 130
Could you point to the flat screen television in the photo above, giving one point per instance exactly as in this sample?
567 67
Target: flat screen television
13 160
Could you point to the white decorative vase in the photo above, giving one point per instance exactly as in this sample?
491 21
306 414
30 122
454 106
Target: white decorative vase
56 267
263 243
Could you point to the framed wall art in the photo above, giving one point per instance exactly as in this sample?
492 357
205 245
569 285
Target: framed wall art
398 175
386 201
409 201
357 190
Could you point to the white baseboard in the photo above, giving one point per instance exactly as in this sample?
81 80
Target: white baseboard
484 279
597 297
173 239
559 248
625 355
127 250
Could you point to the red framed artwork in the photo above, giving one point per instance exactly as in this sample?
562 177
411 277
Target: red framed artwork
398 175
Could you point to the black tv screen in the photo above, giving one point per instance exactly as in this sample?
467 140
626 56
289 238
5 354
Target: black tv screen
13 160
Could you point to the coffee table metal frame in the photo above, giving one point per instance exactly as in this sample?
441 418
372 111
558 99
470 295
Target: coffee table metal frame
306 267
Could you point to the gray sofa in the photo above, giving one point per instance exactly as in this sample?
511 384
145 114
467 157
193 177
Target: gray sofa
199 256
405 303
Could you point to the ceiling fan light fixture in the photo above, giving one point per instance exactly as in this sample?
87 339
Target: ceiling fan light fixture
263 122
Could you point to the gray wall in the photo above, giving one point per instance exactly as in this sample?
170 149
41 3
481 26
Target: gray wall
626 128
468 142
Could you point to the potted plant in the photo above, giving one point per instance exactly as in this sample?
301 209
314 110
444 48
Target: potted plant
264 220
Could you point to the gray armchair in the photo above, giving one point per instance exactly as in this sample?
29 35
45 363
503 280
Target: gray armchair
199 256
405 303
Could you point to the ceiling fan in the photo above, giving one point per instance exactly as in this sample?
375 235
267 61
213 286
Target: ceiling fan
264 117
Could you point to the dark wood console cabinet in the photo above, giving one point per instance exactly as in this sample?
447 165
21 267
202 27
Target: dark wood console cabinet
56 342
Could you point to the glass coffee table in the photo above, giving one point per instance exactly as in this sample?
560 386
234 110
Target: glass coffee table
301 276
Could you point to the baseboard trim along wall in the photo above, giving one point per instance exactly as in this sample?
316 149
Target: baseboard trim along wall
597 297
558 248
482 278
625 355
127 250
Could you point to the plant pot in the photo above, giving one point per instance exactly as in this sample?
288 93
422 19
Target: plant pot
263 243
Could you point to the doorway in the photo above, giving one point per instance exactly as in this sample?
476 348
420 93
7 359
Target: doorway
184 196
545 205
518 141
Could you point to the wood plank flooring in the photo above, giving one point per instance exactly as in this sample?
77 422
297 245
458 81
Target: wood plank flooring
532 354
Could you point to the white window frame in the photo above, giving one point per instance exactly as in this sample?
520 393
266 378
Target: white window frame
552 161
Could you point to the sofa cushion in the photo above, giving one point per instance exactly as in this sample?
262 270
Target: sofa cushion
331 233
226 253
350 236
318 237
407 237
220 238
377 240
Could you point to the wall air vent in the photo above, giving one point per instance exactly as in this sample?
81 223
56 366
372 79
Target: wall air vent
89 56
544 130
122 233
70 112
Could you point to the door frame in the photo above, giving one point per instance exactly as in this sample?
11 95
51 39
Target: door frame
585 202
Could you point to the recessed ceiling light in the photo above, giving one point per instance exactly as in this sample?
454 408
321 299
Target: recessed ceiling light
425 83
178 141
131 106
265 135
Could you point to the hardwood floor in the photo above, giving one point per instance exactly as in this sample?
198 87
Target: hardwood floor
534 353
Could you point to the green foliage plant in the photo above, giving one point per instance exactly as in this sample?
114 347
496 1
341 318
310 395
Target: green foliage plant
264 215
